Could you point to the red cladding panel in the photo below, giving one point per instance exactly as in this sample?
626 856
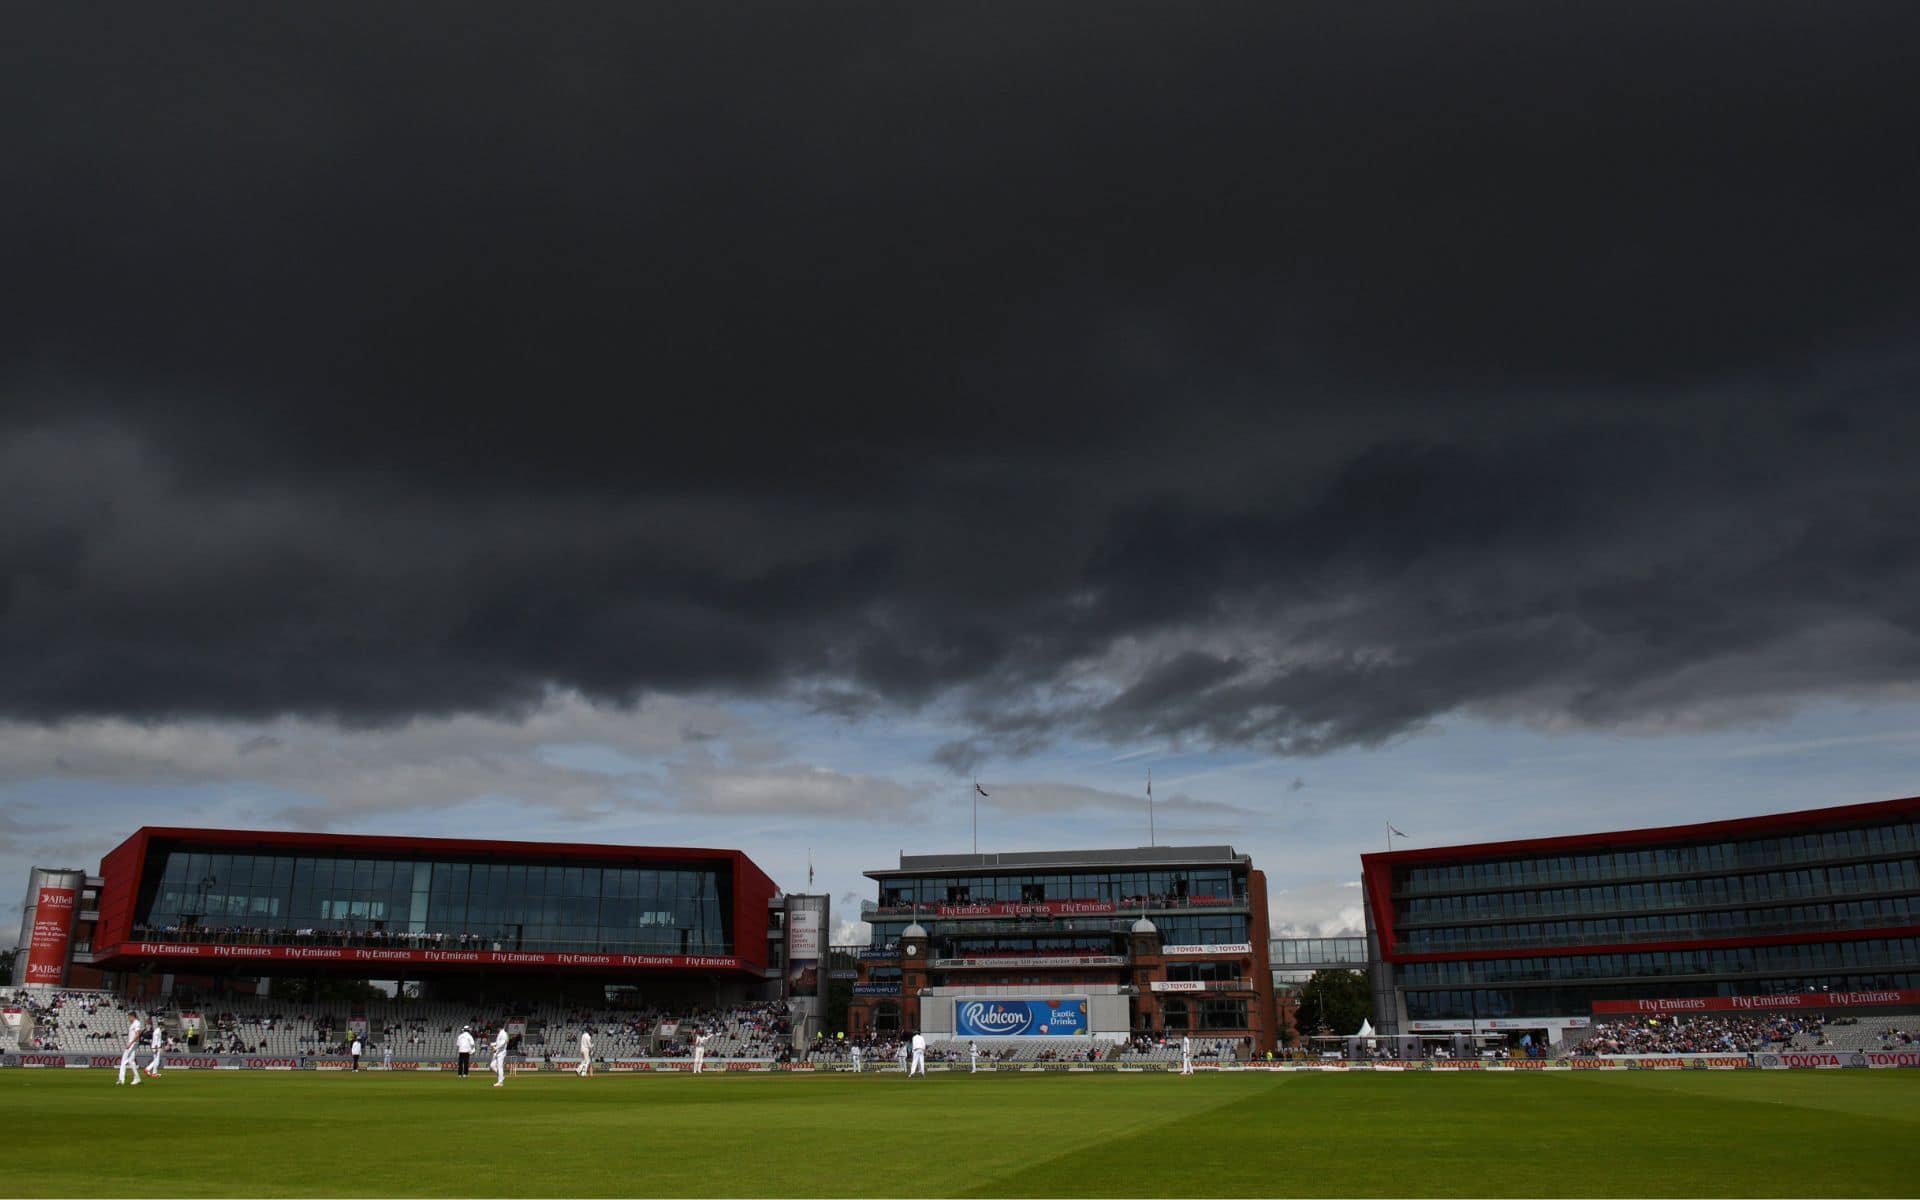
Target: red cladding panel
120 889
752 890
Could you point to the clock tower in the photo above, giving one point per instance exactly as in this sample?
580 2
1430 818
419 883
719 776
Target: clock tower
913 975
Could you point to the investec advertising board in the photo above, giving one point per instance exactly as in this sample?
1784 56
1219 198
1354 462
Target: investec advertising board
1061 1017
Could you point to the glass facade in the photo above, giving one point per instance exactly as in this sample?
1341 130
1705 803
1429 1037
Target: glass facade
1202 929
1291 952
948 946
1126 889
1820 888
417 902
1208 1014
1898 838
970 938
1213 971
1222 1013
1717 906
1190 906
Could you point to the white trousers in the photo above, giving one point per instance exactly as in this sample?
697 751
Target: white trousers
154 1066
499 1065
581 1070
699 1056
128 1063
919 1065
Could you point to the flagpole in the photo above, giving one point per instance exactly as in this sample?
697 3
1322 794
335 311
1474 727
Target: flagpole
1152 840
975 797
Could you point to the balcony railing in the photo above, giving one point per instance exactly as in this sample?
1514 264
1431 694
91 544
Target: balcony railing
1573 910
1742 864
390 940
1132 906
995 962
1617 938
1179 987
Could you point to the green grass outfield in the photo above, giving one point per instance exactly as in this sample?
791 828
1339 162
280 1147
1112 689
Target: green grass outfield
1699 1133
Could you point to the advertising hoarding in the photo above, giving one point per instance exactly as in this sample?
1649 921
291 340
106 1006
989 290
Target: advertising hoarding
1062 1017
1025 908
203 951
52 936
1783 1000
806 922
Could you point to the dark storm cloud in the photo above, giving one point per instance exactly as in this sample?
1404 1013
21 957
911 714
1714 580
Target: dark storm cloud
1253 374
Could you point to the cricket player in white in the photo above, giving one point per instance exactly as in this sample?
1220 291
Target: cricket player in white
919 1064
856 1058
158 1043
499 1063
973 1057
1186 1055
699 1051
586 1055
127 1062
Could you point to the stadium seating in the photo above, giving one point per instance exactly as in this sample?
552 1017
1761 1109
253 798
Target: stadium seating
1703 1034
96 1022
1883 1033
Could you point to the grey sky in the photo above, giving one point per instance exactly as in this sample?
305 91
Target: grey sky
397 402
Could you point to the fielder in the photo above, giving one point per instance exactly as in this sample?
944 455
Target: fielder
1186 1055
127 1062
499 1063
699 1050
158 1043
856 1058
586 1055
919 1064
973 1057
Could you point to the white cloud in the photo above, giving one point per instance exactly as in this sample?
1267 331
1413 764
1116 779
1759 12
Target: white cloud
790 790
1035 796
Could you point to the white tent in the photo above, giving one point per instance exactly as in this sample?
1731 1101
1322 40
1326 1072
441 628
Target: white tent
1366 1028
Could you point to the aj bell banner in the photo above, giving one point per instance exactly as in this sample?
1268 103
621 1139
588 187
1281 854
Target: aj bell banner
1020 1018
51 936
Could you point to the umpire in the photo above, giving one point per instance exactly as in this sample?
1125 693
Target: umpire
464 1043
